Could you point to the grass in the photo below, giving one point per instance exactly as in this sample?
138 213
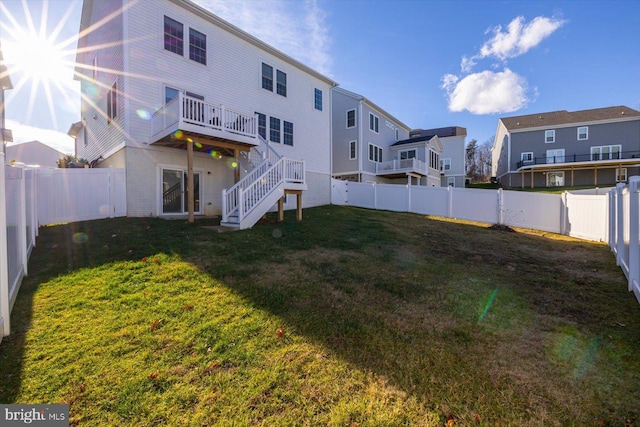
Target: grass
352 317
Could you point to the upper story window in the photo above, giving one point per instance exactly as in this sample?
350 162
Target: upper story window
353 153
274 129
434 159
374 122
197 46
281 83
549 136
445 164
262 125
317 99
173 36
375 153
408 154
267 77
526 157
112 103
172 93
397 134
287 128
583 133
351 119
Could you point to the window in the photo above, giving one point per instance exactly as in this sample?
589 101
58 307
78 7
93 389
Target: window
375 153
353 153
451 181
274 129
445 164
288 133
112 103
262 125
621 174
408 154
317 99
434 159
606 152
526 157
170 93
549 136
197 46
555 156
173 36
397 134
281 83
583 133
267 77
373 122
351 119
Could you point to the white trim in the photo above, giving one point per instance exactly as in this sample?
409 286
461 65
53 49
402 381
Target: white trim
576 124
623 174
451 181
530 157
415 150
159 191
555 154
553 136
114 150
376 153
376 120
442 164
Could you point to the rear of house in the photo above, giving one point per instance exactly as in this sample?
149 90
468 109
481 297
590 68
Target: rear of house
561 148
161 78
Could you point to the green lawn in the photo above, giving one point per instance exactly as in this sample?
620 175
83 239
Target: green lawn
351 318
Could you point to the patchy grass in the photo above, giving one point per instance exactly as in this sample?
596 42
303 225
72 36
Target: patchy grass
352 317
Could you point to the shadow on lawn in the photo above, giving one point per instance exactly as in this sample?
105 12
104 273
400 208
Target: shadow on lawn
354 282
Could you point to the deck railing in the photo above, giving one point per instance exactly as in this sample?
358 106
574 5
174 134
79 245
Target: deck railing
193 111
402 165
580 158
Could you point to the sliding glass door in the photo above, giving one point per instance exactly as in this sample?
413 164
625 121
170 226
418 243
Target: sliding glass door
175 193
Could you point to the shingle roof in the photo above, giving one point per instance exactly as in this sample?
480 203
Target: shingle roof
562 117
441 132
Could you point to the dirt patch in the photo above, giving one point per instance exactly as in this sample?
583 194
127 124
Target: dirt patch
501 227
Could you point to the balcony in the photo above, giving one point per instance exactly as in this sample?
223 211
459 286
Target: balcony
402 167
594 159
186 117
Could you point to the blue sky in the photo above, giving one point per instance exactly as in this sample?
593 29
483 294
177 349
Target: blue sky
428 63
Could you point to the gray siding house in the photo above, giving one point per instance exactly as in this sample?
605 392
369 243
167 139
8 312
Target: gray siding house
561 148
370 145
452 158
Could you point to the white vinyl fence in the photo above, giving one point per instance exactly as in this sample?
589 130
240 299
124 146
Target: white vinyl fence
578 215
624 230
30 197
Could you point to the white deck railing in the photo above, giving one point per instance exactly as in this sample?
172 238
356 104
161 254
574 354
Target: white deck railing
402 165
193 111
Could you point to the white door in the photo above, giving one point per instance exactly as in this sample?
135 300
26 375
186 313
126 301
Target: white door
175 194
555 179
555 156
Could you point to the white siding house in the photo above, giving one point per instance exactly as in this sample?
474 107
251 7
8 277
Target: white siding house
161 78
452 158
34 153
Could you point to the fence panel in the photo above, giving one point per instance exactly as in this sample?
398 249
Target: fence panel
16 226
532 210
392 197
67 195
475 205
430 200
5 306
586 217
362 194
339 191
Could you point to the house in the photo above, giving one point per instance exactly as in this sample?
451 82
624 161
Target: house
562 148
370 145
205 118
34 153
452 158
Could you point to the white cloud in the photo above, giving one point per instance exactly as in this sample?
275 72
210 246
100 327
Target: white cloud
486 92
519 38
54 139
295 28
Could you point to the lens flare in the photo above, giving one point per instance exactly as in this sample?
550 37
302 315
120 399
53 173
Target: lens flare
198 145
232 163
277 233
487 306
143 114
80 238
178 134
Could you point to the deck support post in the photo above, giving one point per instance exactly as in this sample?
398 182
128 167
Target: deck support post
281 209
236 170
190 195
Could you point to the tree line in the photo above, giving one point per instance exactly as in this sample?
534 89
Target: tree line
478 160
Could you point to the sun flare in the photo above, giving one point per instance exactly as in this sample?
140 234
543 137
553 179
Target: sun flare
38 59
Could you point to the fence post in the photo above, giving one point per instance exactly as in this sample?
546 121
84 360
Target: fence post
449 201
634 232
563 213
22 220
500 207
5 307
619 224
408 198
375 196
112 192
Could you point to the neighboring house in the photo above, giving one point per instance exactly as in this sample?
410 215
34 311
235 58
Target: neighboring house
5 84
368 145
452 158
191 105
34 153
562 148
